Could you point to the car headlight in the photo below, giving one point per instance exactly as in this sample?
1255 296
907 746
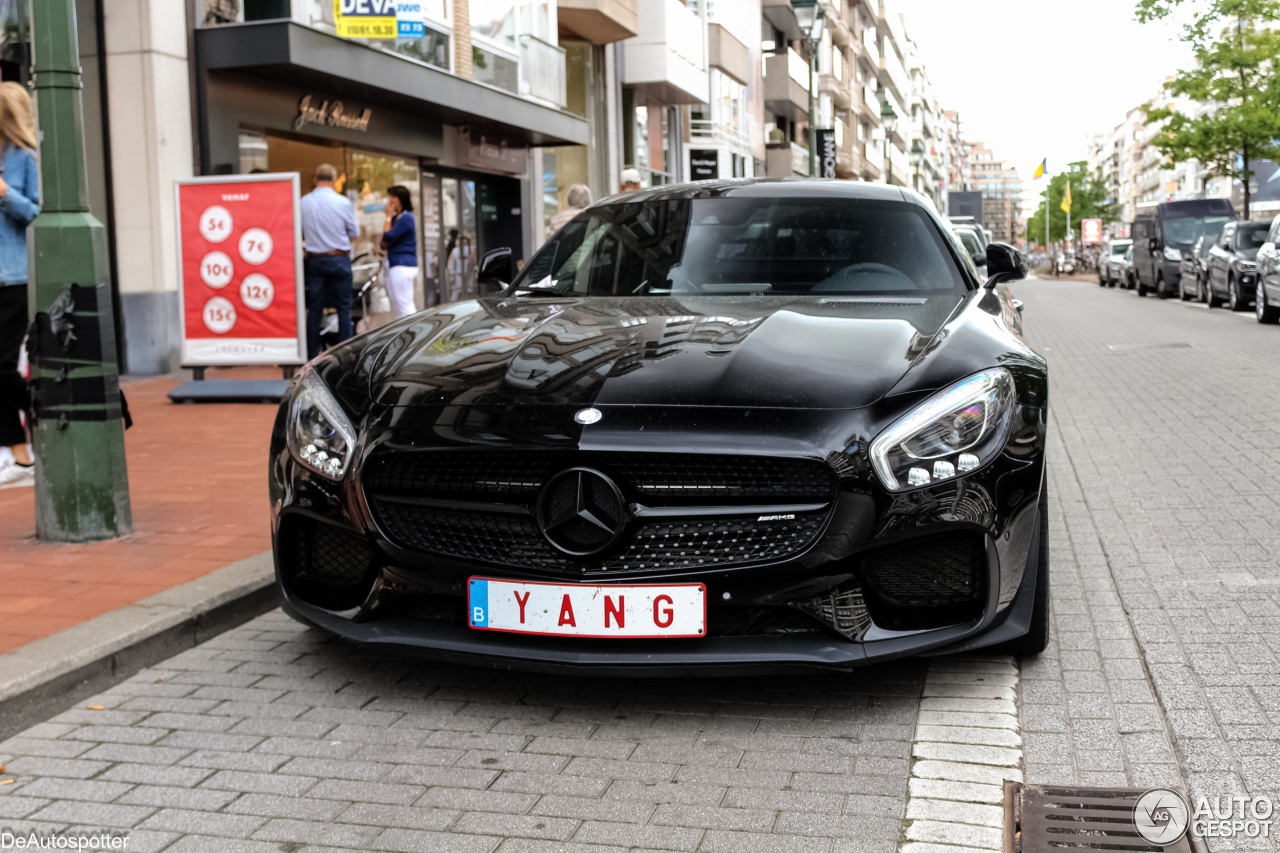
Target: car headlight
1247 266
1172 254
952 433
319 434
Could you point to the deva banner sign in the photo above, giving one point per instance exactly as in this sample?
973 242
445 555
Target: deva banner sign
365 19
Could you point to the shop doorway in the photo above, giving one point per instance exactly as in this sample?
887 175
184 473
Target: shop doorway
363 177
476 214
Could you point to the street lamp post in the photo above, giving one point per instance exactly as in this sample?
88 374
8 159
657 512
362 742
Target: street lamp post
889 118
810 17
917 158
82 491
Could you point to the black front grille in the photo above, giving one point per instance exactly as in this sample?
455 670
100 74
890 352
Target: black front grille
499 489
326 565
505 540
928 583
513 474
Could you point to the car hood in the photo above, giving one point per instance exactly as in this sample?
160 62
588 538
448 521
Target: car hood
780 352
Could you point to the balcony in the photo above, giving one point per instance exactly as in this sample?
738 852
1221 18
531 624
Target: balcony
901 163
872 160
892 74
542 71
728 54
871 44
841 94
903 129
712 132
786 85
841 35
869 104
786 160
782 16
666 59
599 21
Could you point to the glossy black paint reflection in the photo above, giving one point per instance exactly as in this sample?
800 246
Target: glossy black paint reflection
800 377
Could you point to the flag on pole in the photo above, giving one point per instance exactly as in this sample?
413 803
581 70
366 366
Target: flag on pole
1041 169
1066 200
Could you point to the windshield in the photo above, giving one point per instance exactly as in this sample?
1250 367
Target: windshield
1183 232
743 246
1251 235
1120 247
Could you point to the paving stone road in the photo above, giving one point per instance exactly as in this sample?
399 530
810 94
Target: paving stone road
1165 479
1165 474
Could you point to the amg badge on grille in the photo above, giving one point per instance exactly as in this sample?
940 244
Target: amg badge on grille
588 416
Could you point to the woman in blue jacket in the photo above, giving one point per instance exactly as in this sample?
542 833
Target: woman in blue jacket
400 242
19 204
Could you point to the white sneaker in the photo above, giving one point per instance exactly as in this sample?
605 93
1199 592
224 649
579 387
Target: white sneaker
15 476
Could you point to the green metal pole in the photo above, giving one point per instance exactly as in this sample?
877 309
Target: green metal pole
82 489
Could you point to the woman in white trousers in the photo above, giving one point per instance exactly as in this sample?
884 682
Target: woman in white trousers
400 242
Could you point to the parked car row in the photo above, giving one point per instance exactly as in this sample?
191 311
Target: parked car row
1199 250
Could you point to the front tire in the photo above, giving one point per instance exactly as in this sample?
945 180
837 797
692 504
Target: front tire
1036 640
1266 314
1162 289
1142 288
1211 299
1235 300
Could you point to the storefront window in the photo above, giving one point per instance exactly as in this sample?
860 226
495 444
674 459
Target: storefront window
253 152
368 176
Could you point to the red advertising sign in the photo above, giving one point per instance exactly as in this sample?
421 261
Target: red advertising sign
240 276
1090 231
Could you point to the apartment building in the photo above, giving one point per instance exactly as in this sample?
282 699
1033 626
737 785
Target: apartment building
927 153
1001 190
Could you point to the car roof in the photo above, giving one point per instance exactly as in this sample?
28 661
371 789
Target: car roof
767 188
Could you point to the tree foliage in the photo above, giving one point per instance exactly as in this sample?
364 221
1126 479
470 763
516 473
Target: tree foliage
1236 45
1089 200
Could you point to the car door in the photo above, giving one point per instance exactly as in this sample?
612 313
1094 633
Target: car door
1141 236
1219 260
1269 263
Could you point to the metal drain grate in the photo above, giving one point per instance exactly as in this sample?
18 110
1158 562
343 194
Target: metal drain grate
1041 818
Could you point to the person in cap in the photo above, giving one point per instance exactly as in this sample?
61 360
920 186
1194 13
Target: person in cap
630 180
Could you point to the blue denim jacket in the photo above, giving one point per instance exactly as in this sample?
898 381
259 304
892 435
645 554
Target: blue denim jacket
20 204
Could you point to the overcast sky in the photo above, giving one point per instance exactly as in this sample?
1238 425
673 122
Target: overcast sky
1034 78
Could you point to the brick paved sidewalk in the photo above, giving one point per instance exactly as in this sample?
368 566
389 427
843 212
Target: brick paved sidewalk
197 477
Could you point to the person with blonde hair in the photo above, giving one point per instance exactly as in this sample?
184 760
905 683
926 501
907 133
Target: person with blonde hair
19 204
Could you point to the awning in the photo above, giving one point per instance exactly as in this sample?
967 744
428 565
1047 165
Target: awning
300 56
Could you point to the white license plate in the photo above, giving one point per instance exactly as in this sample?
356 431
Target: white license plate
633 612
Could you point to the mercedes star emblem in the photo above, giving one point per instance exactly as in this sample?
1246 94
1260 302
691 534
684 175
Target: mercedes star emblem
581 512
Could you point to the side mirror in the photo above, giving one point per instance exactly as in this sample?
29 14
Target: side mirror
1153 244
497 268
979 259
1017 305
1004 263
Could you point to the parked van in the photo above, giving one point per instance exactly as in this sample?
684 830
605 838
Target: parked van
1163 232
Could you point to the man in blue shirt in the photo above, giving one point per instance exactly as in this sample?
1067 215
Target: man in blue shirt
328 227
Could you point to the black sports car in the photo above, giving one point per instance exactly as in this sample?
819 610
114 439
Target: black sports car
738 426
